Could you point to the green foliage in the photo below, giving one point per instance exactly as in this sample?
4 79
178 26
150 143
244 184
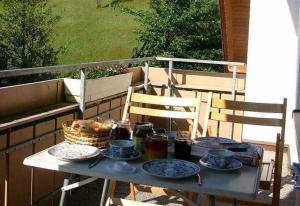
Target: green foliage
180 28
26 34
26 38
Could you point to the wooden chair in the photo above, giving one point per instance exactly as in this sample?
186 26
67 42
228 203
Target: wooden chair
154 100
135 104
217 109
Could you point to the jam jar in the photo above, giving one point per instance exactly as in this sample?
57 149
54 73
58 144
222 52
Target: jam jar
156 146
122 130
140 132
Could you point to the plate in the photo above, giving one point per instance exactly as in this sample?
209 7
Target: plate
170 168
214 142
234 165
73 152
107 153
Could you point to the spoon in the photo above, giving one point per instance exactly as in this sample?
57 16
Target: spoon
199 179
94 163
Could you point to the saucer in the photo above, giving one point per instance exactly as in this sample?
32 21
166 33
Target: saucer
234 165
135 155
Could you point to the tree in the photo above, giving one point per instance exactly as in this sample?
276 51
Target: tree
26 34
179 28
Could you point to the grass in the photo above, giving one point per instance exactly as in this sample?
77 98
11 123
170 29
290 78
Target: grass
94 34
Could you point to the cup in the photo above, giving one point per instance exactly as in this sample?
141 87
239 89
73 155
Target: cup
183 148
220 158
121 148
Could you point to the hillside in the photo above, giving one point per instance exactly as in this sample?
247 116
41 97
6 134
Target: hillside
94 34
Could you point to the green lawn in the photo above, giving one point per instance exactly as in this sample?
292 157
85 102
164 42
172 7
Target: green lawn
94 34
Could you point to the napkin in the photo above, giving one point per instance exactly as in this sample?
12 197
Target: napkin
123 167
251 156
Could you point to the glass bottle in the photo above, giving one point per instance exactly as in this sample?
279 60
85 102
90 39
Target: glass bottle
122 130
140 132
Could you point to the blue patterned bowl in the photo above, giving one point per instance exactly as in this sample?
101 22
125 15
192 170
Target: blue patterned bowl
220 157
121 148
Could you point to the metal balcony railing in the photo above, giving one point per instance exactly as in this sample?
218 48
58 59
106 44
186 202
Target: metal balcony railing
97 65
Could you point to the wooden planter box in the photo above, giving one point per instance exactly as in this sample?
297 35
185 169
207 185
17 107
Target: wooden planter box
97 88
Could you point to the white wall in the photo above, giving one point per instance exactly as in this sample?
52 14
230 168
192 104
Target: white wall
272 70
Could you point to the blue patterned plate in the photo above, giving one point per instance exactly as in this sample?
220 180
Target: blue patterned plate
170 168
234 165
135 155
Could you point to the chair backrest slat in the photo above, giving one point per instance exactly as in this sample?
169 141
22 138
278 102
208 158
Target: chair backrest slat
247 106
246 120
161 113
161 100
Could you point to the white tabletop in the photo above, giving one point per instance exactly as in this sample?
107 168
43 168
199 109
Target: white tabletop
241 184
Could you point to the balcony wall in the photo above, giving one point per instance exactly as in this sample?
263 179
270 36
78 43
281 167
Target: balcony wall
38 125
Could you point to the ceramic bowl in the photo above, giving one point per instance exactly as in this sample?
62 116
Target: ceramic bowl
220 157
121 148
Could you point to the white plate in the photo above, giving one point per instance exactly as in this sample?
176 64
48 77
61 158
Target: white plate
107 153
73 152
170 168
234 165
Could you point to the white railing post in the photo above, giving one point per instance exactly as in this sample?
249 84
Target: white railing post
170 83
234 67
146 77
82 92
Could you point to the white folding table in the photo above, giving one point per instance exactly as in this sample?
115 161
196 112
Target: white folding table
241 184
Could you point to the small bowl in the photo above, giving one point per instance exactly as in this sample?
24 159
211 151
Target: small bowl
122 148
220 158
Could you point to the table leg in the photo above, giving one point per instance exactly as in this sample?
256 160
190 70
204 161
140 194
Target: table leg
212 201
104 192
63 193
234 202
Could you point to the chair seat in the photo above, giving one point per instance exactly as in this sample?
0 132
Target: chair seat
266 175
154 190
125 202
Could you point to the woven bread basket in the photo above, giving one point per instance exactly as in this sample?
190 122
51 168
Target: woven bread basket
87 137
